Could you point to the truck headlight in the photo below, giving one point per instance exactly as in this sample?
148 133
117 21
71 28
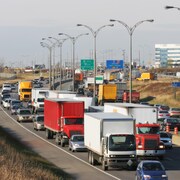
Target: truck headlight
140 146
161 146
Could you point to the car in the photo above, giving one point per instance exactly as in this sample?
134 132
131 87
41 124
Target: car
24 114
39 111
6 86
162 114
6 103
5 96
14 109
5 92
76 143
38 122
166 139
29 104
163 107
171 122
13 102
174 112
150 169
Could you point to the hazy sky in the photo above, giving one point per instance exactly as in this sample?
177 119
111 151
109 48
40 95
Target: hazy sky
23 23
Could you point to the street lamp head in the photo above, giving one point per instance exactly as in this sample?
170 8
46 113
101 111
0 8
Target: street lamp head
111 25
112 20
60 34
150 20
79 24
169 7
50 37
43 38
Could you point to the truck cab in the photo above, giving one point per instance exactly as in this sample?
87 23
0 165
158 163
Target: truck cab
148 142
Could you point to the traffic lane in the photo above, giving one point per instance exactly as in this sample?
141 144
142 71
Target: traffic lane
120 173
170 162
60 157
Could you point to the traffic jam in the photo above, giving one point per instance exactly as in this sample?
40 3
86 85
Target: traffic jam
111 134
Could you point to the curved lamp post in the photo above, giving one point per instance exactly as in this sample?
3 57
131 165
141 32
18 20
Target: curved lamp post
43 44
95 33
60 43
130 31
172 7
73 39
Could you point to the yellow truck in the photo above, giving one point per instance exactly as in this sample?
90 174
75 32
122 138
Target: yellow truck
107 93
146 76
24 90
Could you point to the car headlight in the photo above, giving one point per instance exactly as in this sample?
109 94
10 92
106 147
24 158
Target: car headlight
146 177
76 145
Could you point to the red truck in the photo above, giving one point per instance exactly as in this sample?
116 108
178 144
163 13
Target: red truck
63 118
134 99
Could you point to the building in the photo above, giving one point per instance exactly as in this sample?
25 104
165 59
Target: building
167 55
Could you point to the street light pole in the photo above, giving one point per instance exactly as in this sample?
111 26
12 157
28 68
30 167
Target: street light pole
130 31
60 43
50 61
73 39
94 33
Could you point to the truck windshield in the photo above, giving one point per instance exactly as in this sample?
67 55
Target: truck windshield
122 143
70 121
40 99
147 130
26 90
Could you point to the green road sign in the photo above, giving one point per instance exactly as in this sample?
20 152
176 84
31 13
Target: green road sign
87 64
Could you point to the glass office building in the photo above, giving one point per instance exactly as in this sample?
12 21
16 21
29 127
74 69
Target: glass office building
167 55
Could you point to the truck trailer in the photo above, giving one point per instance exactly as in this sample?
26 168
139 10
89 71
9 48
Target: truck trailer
110 140
62 118
148 142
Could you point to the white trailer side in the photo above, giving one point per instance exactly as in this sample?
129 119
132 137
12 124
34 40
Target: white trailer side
142 113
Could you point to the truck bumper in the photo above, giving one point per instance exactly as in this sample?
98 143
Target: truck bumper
119 162
153 153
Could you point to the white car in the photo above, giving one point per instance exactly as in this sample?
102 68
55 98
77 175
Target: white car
6 103
166 139
163 114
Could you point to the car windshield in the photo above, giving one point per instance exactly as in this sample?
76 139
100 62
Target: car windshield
25 112
16 102
70 121
122 143
164 135
78 139
148 130
173 120
175 109
163 112
153 167
40 100
40 118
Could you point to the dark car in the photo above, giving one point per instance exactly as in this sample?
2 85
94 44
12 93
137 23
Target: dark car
171 122
150 169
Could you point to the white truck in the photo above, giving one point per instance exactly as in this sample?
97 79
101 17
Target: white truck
37 98
110 140
148 142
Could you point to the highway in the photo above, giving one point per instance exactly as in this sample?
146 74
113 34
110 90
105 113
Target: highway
76 163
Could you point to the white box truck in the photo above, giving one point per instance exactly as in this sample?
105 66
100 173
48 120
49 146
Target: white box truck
110 139
148 142
37 98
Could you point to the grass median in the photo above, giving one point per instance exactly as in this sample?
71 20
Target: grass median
19 162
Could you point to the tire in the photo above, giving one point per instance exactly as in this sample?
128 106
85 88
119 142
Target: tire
57 139
47 134
89 157
62 143
161 157
104 167
93 161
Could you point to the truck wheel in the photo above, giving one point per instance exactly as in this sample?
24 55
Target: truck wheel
62 143
92 159
57 139
47 134
89 157
104 167
161 157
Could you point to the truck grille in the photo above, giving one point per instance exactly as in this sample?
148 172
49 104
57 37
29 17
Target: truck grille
74 132
26 96
41 105
150 144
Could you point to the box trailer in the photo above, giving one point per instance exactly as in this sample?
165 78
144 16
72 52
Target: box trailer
62 118
110 140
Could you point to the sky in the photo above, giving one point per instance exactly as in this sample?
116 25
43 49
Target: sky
23 24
